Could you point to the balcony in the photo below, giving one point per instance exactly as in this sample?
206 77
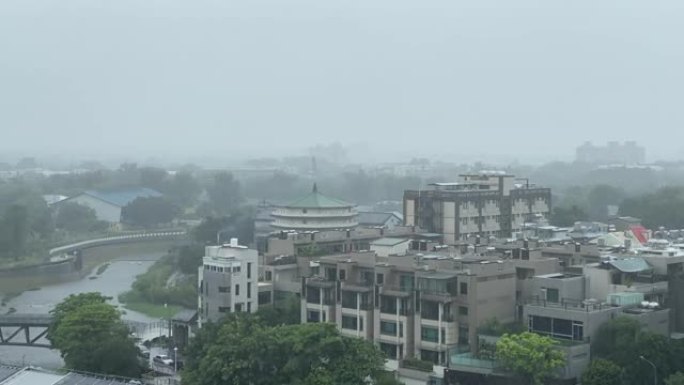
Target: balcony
569 304
438 296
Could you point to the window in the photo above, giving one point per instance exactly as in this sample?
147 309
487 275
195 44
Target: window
224 309
462 310
343 275
349 300
406 282
388 328
557 328
224 289
249 307
313 316
237 289
264 297
249 290
269 276
236 269
463 335
389 349
429 334
313 295
238 307
430 310
388 305
464 288
552 295
380 279
350 323
249 270
429 355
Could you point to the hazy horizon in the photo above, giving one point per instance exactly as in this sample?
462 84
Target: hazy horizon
527 80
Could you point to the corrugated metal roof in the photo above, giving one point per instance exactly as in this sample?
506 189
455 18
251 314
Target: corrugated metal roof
123 197
630 265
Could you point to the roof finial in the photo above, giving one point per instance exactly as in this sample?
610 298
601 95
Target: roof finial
315 188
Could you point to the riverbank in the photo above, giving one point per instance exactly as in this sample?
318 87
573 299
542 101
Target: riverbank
92 258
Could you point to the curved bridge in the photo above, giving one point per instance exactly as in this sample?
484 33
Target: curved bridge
137 237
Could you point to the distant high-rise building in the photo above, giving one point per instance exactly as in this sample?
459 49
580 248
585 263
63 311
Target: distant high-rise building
612 153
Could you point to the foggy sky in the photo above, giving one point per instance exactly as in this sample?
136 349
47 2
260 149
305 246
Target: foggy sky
232 77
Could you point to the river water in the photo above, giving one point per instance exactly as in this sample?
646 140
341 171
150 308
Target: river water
116 279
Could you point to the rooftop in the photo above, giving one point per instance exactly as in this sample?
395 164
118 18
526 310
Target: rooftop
122 197
10 375
375 218
388 241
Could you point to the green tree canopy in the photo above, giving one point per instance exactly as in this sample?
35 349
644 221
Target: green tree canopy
91 337
675 379
664 207
149 211
602 372
532 356
71 216
244 351
224 193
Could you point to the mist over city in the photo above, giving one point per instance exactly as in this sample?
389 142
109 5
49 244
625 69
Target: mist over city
303 192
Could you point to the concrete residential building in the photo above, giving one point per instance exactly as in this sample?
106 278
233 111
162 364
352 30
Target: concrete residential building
411 306
109 204
315 212
483 204
228 281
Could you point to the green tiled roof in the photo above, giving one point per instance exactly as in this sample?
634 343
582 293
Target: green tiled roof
317 200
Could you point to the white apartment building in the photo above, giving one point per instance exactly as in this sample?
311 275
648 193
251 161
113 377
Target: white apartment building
228 281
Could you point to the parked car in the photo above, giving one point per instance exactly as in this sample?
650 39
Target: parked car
163 359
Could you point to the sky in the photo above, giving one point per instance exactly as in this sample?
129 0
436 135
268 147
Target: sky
448 79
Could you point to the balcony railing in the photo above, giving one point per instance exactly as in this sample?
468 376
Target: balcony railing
569 304
468 359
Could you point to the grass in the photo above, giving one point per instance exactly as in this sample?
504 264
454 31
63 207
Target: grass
152 310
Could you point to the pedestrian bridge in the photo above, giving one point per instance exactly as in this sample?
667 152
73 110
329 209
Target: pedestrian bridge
19 329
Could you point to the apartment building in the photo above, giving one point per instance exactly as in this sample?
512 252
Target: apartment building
411 306
227 281
489 204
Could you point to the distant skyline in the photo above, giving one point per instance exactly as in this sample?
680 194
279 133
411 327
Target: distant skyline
496 79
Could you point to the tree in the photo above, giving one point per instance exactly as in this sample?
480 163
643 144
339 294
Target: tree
283 312
224 193
567 216
14 231
91 337
71 216
602 372
240 224
183 189
149 211
153 177
243 351
665 207
675 379
531 356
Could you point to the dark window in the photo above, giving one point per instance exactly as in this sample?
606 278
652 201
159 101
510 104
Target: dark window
429 355
388 304
380 279
463 335
238 307
313 295
343 275
249 307
269 275
388 328
330 273
552 295
429 334
237 289
430 310
223 309
264 298
464 288
249 290
224 289
462 310
313 316
389 349
349 300
350 323
249 270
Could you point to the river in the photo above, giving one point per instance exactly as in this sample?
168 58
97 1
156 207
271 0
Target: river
116 279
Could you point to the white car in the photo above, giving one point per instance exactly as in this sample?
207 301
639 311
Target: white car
163 359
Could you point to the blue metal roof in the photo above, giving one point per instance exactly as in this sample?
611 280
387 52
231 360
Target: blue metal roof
123 197
630 265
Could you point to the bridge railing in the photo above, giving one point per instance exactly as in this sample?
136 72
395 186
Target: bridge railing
118 239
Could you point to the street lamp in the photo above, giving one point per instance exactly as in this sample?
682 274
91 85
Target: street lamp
655 370
175 359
